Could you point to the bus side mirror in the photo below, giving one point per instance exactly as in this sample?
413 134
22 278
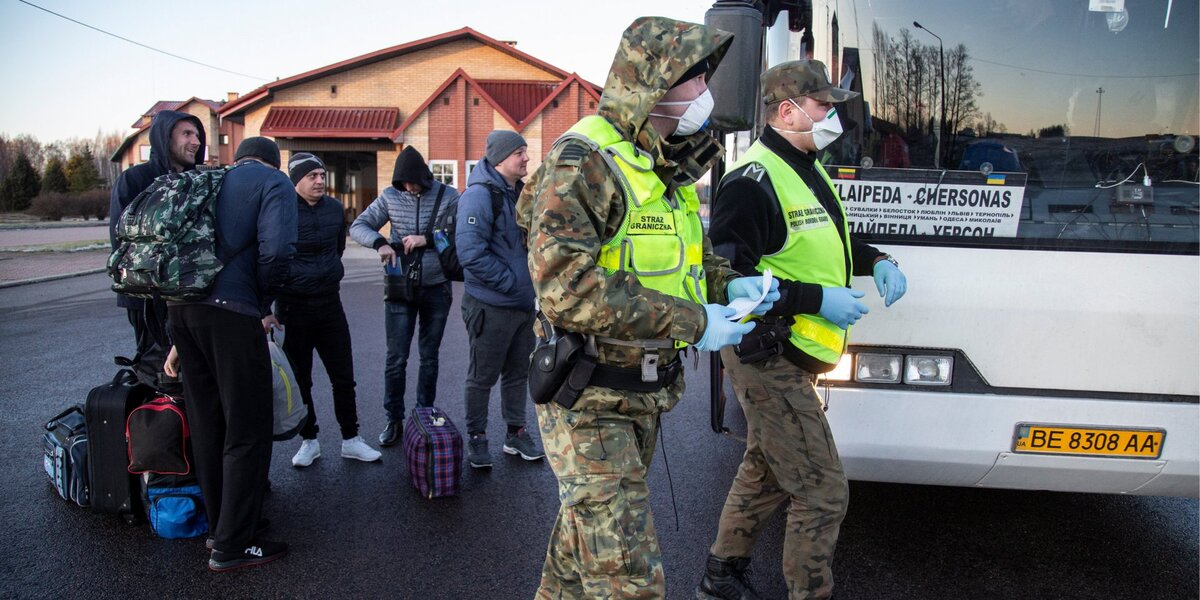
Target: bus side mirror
735 84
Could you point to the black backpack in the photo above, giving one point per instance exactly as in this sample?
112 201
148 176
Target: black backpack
447 226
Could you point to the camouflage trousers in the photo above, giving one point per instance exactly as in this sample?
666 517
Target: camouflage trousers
790 456
603 544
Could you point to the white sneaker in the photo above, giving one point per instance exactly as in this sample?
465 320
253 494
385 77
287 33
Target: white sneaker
310 450
357 449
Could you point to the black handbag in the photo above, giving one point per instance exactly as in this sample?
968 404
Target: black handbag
402 282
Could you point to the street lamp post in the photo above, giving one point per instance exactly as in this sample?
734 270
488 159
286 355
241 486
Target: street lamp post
942 60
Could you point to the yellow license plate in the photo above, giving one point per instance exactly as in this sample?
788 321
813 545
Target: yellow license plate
1088 441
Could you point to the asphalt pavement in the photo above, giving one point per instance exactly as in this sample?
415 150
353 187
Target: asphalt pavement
361 531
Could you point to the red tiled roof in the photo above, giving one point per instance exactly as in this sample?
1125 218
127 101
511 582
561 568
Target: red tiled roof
263 92
307 121
158 107
518 98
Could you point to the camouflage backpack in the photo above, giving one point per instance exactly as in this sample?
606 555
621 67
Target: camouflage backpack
166 238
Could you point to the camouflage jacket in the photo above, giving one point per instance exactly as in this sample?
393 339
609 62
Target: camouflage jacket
573 203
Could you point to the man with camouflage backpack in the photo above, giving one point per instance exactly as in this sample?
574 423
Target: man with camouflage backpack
617 253
177 144
220 345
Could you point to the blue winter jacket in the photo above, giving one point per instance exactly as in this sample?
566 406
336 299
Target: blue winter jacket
492 251
256 237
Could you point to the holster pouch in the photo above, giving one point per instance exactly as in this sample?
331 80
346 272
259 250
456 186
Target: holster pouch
552 361
579 377
766 340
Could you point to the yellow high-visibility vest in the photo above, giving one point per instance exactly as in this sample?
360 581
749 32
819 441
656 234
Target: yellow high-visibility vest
816 251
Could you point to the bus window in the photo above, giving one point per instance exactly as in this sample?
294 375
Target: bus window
1060 127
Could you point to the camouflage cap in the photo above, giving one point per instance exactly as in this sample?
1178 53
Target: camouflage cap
801 78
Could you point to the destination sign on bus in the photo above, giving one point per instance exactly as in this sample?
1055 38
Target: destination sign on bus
930 202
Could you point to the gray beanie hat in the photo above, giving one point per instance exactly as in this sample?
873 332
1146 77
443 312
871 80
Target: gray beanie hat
501 143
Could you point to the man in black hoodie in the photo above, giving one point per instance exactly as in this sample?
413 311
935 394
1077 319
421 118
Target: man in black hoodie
177 144
408 204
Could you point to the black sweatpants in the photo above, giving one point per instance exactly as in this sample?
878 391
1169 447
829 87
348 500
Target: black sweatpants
320 325
228 393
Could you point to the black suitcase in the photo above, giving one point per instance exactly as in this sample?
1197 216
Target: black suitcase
113 489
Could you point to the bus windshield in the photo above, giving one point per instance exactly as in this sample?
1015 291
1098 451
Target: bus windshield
1063 125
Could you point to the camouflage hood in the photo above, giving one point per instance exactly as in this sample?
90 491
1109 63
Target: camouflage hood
654 53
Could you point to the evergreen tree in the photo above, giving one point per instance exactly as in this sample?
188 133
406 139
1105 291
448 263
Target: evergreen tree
21 184
55 179
81 171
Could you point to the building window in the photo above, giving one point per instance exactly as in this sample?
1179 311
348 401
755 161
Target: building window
554 103
592 104
224 139
445 171
475 101
471 166
144 152
446 101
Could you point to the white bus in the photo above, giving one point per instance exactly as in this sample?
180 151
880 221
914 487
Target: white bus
1050 337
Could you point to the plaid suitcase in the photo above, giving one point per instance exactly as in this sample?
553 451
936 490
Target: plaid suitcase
434 452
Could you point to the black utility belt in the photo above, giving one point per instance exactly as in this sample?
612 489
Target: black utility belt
632 380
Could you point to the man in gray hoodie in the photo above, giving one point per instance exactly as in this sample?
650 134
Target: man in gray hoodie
497 306
408 205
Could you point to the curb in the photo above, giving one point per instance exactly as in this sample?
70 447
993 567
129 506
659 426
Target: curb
8 284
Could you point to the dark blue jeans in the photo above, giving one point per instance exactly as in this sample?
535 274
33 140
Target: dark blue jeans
401 319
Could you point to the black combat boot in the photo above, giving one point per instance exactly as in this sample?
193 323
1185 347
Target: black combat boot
725 579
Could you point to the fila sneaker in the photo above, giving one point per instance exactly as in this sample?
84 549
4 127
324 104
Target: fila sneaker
259 552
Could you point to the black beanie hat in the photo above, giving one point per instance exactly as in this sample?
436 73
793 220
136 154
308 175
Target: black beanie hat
301 164
258 147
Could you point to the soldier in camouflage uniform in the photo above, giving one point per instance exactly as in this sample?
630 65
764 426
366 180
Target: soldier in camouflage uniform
615 196
776 209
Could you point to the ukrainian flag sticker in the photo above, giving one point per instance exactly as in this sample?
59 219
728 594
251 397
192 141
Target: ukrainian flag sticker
995 179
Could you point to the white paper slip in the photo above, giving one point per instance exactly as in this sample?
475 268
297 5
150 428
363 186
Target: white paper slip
743 306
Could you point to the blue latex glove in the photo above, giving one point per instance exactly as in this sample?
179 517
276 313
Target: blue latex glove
840 306
720 331
890 282
751 287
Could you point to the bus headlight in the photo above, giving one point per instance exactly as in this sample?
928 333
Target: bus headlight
877 368
843 369
928 370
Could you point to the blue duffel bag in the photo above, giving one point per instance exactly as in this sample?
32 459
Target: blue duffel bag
176 512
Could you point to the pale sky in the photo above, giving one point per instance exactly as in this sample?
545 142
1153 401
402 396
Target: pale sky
64 80
1042 60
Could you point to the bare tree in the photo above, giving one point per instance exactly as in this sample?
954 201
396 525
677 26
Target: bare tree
962 90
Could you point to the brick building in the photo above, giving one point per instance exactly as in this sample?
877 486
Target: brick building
441 95
135 148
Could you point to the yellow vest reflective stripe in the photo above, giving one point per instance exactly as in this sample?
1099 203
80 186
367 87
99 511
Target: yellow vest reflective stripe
660 241
815 251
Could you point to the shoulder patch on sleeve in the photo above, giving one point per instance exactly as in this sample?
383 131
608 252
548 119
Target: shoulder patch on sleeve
573 154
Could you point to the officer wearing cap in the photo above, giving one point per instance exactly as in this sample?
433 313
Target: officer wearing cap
777 209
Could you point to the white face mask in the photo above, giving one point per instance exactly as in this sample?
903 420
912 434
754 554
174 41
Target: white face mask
695 118
823 133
